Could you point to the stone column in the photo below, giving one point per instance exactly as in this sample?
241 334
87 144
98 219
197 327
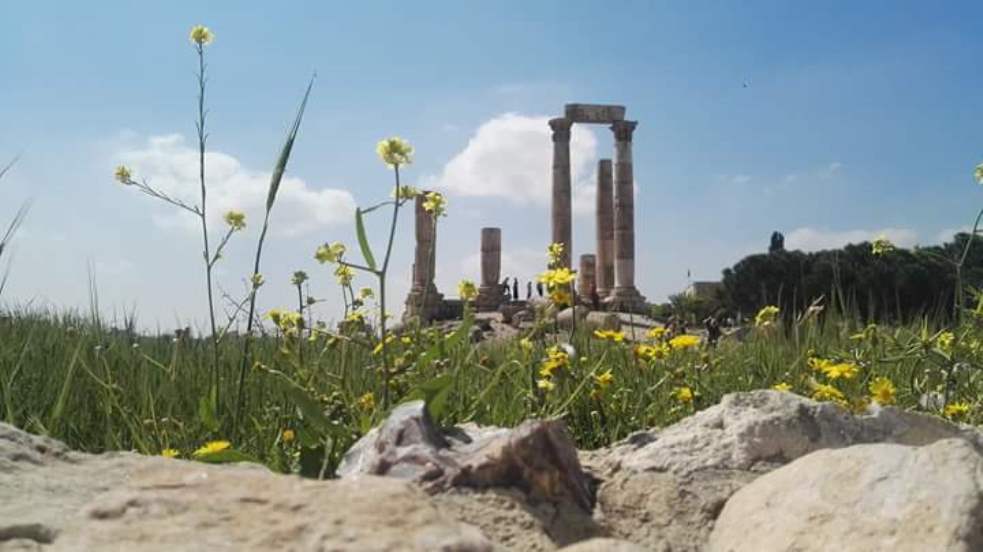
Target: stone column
625 296
586 277
490 291
605 229
562 198
424 300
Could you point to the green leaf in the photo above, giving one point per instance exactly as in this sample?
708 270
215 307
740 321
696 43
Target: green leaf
206 412
434 393
281 164
308 406
363 240
226 456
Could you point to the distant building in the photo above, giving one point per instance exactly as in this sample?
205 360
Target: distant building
703 290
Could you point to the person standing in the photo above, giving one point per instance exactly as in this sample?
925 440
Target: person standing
528 291
515 289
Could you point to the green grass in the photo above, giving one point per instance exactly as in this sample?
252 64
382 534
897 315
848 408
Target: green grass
99 389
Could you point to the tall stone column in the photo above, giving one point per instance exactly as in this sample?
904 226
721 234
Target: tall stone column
490 291
424 300
586 277
625 296
562 196
605 229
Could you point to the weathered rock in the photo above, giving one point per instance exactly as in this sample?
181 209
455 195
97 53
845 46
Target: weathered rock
865 497
54 499
664 488
537 457
603 545
565 317
600 320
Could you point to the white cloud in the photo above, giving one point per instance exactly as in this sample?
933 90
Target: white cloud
168 164
740 179
510 157
823 173
946 234
812 239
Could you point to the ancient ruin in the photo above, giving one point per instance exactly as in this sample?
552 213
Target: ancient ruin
490 292
424 301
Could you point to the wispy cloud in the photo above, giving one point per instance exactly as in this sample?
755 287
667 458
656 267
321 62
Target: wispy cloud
169 164
813 239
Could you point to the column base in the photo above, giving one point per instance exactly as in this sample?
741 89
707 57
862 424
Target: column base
489 298
626 299
426 312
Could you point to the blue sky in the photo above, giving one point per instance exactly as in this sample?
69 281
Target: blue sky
858 119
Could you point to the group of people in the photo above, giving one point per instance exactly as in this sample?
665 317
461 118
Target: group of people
511 291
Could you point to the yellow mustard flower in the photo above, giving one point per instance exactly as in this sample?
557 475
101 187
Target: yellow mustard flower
545 384
685 341
683 394
288 436
466 290
845 370
556 358
554 253
557 277
824 392
944 342
367 401
407 192
395 152
298 278
235 219
957 410
365 293
979 173
355 316
782 386
560 298
257 280
882 390
123 175
212 447
201 35
657 333
526 344
604 379
436 204
344 274
330 253
766 316
610 335
170 453
652 352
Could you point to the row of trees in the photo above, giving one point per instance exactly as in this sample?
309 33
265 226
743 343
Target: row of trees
896 284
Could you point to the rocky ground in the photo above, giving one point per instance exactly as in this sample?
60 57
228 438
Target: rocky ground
758 472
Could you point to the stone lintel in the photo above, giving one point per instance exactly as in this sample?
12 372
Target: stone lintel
594 113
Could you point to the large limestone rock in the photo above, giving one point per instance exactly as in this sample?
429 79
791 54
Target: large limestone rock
664 488
865 497
54 499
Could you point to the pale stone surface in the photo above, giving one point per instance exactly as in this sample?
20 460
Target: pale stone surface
586 277
490 294
594 113
423 300
605 228
603 545
865 497
625 296
55 500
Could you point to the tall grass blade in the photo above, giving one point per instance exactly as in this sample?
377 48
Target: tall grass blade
281 164
363 240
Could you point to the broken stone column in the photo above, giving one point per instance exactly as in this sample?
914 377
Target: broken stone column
605 229
490 291
562 195
625 297
424 300
586 277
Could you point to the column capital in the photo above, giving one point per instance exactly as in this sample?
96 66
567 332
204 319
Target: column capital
561 129
623 130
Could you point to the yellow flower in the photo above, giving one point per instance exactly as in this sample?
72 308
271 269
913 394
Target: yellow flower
235 219
819 364
466 290
824 392
287 436
556 358
609 335
407 192
545 384
122 175
395 151
330 253
560 298
355 316
957 409
379 346
684 341
604 379
881 246
944 342
344 274
367 401
683 395
526 344
201 35
882 390
554 252
435 204
657 333
257 280
782 387
766 316
652 352
845 370
169 453
365 293
212 447
557 277
288 321
979 173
